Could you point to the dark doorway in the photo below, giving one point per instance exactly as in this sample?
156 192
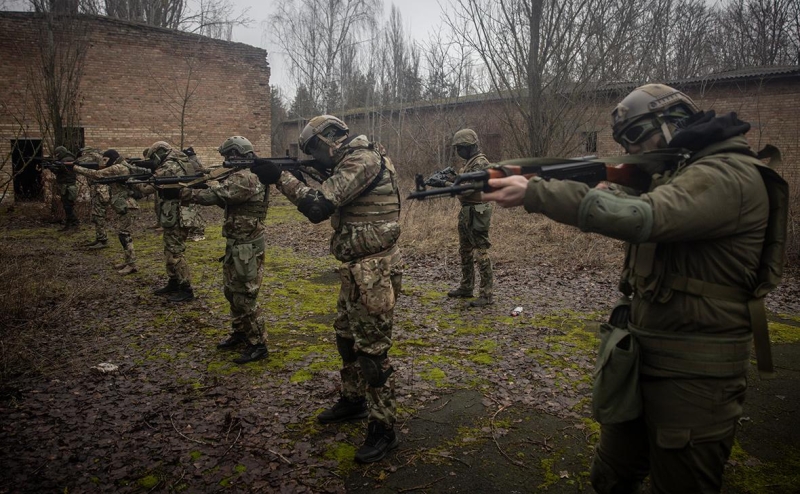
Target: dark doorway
27 175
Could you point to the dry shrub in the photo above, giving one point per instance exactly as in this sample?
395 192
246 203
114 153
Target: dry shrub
35 295
430 228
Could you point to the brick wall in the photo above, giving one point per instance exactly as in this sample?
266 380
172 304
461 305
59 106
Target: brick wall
134 84
417 136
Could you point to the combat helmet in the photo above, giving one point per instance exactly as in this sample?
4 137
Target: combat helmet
646 110
239 144
160 149
61 152
465 137
326 128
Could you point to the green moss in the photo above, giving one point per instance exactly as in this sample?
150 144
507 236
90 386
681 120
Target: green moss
550 477
240 469
783 333
434 374
148 482
748 474
195 455
301 376
344 455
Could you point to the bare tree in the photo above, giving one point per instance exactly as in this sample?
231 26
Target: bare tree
757 33
540 56
178 88
314 35
55 78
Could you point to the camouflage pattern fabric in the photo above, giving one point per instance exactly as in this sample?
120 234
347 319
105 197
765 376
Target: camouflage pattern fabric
69 194
121 202
689 420
100 199
173 217
372 264
474 220
242 268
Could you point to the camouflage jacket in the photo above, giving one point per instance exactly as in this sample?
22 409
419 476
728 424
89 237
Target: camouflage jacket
474 164
244 199
367 207
176 164
120 194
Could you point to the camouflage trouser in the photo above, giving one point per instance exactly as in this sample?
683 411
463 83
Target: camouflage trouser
363 325
683 439
99 208
69 194
473 245
126 221
242 271
157 209
174 247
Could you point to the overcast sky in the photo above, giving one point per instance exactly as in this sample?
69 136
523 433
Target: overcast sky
420 18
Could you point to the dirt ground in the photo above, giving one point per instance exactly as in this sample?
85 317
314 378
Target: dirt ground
488 403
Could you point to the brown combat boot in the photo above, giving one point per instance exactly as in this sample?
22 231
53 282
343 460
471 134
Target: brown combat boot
482 301
128 269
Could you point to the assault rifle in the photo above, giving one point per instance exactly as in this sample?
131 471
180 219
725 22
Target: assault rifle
589 170
441 177
121 179
312 168
167 182
142 163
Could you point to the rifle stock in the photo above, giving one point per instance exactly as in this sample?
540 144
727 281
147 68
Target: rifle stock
588 170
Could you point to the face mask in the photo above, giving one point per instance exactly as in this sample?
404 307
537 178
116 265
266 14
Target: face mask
321 153
463 152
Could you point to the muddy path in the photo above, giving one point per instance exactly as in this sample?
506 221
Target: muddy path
488 402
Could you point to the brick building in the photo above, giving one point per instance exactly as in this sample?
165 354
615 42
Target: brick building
139 84
417 135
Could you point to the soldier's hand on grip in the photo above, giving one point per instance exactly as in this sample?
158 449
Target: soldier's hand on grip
268 172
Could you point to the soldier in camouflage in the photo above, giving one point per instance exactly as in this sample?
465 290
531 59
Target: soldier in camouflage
362 199
692 279
245 201
100 195
197 231
173 219
67 186
121 201
473 225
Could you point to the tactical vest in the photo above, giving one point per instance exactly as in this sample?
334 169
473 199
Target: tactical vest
380 201
718 356
252 209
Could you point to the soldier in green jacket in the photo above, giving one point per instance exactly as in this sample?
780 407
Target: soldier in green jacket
473 225
695 241
362 200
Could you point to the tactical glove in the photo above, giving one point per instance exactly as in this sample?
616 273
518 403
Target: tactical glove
268 172
315 207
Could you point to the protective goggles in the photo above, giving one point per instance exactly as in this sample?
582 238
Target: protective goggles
637 132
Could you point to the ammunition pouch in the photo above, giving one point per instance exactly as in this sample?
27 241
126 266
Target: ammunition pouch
252 209
616 395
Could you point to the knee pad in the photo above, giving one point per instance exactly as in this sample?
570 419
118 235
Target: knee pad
124 239
346 349
372 369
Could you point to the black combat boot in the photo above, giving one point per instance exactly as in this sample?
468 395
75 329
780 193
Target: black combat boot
344 410
482 301
460 292
253 353
172 287
380 440
183 294
235 339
